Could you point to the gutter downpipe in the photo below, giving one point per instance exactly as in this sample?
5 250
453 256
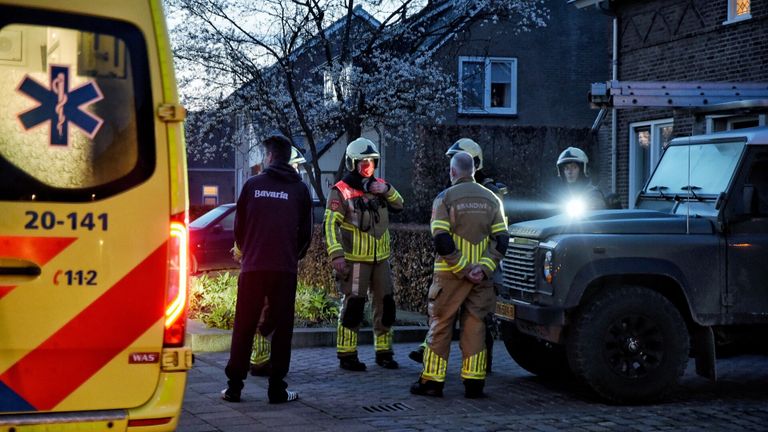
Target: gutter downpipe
614 113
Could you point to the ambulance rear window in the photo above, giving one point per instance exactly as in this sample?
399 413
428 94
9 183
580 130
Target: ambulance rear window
76 118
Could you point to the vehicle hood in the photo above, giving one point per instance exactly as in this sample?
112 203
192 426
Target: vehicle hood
613 222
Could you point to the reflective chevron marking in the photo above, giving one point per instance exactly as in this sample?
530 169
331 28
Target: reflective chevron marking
58 366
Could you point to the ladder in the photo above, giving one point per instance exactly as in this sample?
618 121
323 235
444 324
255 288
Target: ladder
669 94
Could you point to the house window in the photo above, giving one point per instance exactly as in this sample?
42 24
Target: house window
720 123
647 140
329 92
738 10
488 85
210 195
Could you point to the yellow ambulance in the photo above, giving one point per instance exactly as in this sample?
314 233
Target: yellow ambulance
93 218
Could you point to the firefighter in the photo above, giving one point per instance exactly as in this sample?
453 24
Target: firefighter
474 150
357 238
572 171
500 189
262 342
469 231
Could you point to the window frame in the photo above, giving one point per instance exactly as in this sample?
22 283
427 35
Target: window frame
732 119
487 109
732 17
634 185
329 91
29 188
208 195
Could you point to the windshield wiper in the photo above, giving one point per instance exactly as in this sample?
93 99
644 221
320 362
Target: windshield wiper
691 189
660 190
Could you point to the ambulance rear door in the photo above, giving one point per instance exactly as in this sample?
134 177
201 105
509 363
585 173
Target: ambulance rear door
84 213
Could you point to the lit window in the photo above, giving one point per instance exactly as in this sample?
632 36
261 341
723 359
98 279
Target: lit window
738 10
742 7
488 85
210 195
647 141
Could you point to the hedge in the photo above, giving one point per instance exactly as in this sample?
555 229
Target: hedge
412 259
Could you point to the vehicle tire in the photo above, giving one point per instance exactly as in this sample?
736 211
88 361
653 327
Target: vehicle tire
629 344
537 356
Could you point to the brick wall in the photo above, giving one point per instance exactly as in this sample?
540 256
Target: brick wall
683 40
522 157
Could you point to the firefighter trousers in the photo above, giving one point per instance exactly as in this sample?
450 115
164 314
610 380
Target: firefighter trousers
354 286
449 296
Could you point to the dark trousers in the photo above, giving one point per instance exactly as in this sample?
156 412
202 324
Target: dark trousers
254 291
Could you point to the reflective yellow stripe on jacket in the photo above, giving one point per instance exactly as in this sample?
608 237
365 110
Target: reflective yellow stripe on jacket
333 244
470 253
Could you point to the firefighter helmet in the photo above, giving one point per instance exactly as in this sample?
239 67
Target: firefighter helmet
296 157
359 149
573 154
469 146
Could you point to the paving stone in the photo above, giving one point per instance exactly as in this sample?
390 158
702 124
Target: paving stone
334 400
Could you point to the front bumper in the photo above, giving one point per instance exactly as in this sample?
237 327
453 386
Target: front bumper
545 322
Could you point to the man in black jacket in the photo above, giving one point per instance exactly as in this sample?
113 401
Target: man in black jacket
273 228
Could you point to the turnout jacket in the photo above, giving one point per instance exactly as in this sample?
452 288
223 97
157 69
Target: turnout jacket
468 227
357 222
273 220
585 190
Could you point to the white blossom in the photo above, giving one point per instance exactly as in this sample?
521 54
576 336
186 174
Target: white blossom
294 66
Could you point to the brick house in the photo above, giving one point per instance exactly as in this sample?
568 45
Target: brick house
522 97
516 85
676 40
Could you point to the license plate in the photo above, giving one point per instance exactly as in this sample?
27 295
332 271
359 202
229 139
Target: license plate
505 310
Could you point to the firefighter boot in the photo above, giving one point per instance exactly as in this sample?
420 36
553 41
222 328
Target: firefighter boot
417 355
386 360
473 388
351 363
427 388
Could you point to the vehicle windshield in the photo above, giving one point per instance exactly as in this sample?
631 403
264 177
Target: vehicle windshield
695 170
209 217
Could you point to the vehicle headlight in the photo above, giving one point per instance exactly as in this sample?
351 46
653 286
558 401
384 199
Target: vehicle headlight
548 268
575 207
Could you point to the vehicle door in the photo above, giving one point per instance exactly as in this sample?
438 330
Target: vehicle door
221 239
84 214
747 241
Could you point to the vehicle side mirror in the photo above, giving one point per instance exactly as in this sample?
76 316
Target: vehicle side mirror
217 229
720 200
748 199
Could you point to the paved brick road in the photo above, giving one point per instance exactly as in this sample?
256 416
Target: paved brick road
341 401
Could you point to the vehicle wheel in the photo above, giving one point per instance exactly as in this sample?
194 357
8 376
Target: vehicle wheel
537 356
193 265
629 344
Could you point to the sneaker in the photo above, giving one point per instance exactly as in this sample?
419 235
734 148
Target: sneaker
351 364
287 396
230 395
386 361
427 388
473 388
417 355
262 370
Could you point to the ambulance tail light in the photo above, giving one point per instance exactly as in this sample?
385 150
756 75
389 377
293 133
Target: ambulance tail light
178 281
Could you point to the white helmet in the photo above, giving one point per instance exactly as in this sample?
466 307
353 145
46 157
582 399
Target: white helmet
296 156
573 154
359 149
469 146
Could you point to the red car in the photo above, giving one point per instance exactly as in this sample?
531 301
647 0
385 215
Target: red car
211 237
